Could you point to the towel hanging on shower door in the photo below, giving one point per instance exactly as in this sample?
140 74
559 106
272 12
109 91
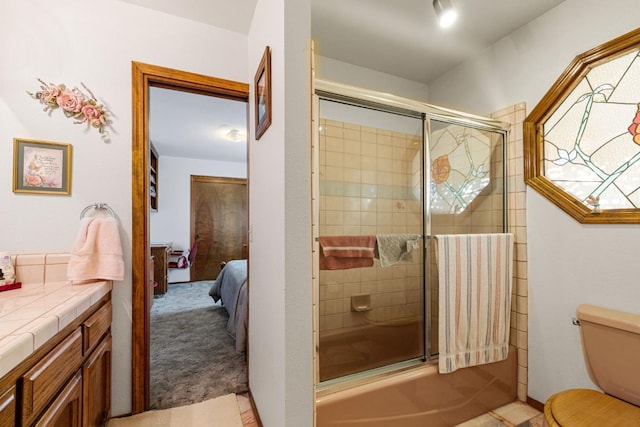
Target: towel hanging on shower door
475 275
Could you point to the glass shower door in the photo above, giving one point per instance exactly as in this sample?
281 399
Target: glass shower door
371 309
467 192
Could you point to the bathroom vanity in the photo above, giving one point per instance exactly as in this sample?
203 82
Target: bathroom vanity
55 354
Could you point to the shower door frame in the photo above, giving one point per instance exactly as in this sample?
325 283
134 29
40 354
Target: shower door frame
361 97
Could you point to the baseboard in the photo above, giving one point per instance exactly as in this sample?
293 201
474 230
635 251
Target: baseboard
255 409
535 404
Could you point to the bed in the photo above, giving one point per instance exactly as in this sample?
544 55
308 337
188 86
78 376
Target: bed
231 287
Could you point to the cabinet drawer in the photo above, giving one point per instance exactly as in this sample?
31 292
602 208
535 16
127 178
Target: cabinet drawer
46 378
96 326
8 408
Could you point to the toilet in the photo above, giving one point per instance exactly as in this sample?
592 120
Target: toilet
611 347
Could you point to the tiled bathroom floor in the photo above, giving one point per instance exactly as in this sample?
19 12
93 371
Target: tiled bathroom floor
515 414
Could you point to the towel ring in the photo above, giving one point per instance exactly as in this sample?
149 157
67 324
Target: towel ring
98 207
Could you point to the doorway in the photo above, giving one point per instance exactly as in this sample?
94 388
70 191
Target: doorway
145 76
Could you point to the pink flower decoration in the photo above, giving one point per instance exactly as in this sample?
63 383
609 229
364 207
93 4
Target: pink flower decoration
50 94
74 103
90 112
70 101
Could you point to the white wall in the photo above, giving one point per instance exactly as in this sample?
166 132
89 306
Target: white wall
337 71
68 42
280 347
569 263
172 221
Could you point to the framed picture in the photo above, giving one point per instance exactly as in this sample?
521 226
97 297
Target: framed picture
262 93
41 167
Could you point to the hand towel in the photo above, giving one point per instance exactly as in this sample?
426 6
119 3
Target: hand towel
97 251
345 252
394 248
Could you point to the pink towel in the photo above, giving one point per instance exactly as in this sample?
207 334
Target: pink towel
97 252
345 252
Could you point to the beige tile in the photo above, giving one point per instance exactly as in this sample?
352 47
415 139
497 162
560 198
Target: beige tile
29 259
516 412
62 258
55 273
536 421
42 329
485 420
30 274
13 350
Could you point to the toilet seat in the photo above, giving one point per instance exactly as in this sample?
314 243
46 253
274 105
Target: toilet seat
589 408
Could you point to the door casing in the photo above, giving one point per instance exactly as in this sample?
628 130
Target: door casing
144 76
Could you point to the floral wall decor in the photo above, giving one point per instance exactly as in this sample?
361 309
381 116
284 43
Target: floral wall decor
75 104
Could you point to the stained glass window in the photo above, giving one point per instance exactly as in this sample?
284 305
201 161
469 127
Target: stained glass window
460 166
582 141
591 141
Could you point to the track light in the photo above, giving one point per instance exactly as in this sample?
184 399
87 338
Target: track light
445 12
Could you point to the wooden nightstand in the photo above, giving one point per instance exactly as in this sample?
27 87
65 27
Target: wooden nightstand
160 255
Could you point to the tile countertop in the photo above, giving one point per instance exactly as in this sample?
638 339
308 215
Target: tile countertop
31 315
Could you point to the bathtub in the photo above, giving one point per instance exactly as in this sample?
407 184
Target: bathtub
349 350
422 397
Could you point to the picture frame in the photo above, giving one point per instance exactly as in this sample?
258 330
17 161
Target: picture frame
262 94
41 167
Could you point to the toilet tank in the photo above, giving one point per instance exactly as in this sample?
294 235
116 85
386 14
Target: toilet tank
611 345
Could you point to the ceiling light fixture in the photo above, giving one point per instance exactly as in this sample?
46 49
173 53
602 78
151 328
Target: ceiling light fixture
234 135
445 12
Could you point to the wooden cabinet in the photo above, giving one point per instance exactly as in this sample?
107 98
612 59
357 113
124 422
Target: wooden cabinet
160 255
152 280
66 408
153 178
96 377
67 381
8 408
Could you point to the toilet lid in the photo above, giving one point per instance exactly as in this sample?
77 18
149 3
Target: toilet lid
589 408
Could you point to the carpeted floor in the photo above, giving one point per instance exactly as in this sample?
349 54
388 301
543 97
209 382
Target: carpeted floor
219 412
193 359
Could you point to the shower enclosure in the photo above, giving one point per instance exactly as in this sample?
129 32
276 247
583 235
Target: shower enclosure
397 169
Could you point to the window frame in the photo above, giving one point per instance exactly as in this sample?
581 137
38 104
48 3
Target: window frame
533 133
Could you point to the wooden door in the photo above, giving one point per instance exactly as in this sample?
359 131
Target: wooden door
218 222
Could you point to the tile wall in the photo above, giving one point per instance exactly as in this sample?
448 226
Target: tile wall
518 226
369 184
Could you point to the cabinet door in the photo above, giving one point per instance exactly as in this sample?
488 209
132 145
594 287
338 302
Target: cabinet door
65 411
96 373
8 408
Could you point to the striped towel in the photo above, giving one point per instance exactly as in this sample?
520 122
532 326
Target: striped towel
475 274
345 252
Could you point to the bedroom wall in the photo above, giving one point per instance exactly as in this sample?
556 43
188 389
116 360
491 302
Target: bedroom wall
172 221
568 263
280 349
67 42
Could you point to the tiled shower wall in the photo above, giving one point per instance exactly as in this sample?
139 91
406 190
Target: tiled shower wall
517 205
370 183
